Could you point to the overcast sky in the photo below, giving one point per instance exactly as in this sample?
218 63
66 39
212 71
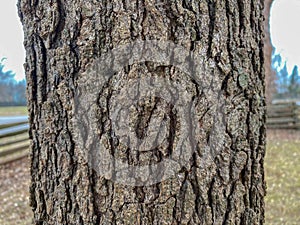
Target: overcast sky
285 30
11 38
285 34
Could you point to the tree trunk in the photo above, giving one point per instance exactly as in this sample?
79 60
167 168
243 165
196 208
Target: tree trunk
173 134
268 49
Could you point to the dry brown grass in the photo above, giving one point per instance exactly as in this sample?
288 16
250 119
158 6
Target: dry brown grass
282 167
13 110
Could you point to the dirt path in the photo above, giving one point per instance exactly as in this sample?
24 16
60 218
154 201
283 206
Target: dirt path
14 186
283 135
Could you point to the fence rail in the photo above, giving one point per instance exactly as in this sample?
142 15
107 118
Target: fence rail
283 116
14 142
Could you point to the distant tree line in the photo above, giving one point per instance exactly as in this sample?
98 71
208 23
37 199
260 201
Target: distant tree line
12 92
287 85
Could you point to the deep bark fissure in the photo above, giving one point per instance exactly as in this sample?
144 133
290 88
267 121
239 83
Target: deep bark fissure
212 17
59 25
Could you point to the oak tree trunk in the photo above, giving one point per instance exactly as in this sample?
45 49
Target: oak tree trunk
268 49
221 181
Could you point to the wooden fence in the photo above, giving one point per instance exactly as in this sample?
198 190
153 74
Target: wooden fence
14 140
283 116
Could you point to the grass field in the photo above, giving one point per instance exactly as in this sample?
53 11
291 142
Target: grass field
282 167
13 110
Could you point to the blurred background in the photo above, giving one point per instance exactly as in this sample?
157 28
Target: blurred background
282 162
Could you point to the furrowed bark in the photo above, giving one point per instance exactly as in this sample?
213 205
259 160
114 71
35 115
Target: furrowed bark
62 37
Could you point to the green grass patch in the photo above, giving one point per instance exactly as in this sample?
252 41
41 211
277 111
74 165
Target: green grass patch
13 110
282 167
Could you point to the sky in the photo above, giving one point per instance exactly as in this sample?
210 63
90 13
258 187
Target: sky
284 23
285 30
11 38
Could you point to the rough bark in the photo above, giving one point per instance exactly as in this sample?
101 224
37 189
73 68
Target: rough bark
268 49
62 38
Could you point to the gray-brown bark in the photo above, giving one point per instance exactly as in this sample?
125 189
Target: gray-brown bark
63 37
268 48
